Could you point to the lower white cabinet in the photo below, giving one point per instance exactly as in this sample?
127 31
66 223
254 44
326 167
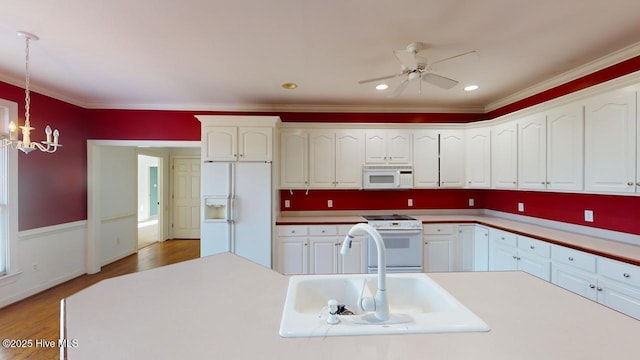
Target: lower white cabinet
474 247
440 251
508 251
315 249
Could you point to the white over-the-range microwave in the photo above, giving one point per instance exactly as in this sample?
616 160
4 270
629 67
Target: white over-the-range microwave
387 176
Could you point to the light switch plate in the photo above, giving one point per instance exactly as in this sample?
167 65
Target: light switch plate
521 207
588 215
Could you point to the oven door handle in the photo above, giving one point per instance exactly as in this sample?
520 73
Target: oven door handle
400 232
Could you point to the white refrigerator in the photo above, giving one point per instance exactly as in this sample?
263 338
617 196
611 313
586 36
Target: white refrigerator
236 210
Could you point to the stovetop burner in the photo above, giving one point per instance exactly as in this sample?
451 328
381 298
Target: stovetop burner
392 217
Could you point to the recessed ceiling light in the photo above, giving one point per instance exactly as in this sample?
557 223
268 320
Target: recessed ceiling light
289 86
382 87
471 87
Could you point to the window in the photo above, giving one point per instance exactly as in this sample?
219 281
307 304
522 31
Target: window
4 211
8 191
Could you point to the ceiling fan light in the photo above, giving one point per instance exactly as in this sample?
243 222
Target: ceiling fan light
382 87
471 87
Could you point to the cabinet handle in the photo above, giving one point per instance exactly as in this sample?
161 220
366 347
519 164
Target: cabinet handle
599 288
502 238
518 258
514 183
532 247
515 257
426 243
591 286
638 183
241 155
548 182
543 183
293 231
630 183
570 258
626 275
469 182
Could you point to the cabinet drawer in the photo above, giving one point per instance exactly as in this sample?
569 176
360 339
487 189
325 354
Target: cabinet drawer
323 230
343 230
439 229
534 246
503 237
576 258
624 273
293 230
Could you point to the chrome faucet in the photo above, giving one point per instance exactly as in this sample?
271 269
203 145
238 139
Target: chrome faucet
379 303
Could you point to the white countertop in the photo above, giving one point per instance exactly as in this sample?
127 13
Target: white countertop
225 307
618 250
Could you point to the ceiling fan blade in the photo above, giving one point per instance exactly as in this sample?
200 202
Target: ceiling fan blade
400 88
467 54
406 58
439 81
378 78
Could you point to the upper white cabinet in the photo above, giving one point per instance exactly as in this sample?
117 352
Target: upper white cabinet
335 158
532 152
388 146
550 150
438 158
610 143
294 159
565 148
504 156
478 158
231 143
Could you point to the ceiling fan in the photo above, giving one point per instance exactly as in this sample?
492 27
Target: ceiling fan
416 67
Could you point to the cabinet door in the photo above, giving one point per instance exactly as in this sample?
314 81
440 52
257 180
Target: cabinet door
321 159
375 146
534 265
349 158
565 148
221 143
293 157
532 152
610 143
439 252
504 156
399 146
572 279
452 159
293 255
502 258
478 158
256 143
620 297
425 166
474 248
356 262
323 255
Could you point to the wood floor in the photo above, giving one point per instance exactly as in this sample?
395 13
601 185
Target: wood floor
38 317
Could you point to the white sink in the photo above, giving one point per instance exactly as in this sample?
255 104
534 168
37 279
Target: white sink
417 305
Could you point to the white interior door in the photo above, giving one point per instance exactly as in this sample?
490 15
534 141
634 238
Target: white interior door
186 198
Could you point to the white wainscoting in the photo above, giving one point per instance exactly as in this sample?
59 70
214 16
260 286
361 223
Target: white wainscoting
45 257
118 237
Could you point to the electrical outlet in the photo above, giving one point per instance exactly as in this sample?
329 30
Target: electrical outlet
588 215
409 202
472 202
287 203
521 207
330 203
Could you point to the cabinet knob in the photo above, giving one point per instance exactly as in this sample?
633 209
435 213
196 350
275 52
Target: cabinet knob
591 286
515 257
241 155
518 258
599 288
293 231
638 183
626 275
543 183
548 182
514 183
570 258
532 247
630 183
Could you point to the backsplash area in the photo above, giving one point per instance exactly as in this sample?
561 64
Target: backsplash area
618 213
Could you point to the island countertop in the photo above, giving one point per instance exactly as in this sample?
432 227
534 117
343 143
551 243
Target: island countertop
226 307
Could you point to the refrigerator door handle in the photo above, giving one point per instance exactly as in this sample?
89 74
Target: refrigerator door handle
231 216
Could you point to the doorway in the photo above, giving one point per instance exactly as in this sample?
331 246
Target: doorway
148 200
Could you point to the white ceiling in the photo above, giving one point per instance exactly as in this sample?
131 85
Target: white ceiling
234 55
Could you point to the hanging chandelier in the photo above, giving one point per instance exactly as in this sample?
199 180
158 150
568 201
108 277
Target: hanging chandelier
26 145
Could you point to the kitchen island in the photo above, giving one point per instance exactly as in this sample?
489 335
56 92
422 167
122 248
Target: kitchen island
226 307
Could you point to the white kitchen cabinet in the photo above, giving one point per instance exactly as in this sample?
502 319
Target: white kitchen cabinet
610 143
426 168
388 146
474 247
349 158
293 249
232 143
322 155
575 280
565 148
508 251
294 160
532 152
504 156
356 262
323 257
478 158
439 159
440 251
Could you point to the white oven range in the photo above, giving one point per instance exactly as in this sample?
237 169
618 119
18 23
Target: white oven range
402 236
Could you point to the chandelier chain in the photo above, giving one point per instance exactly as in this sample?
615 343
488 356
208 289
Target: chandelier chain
27 96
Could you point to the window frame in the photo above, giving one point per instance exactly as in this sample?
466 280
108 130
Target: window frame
9 192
